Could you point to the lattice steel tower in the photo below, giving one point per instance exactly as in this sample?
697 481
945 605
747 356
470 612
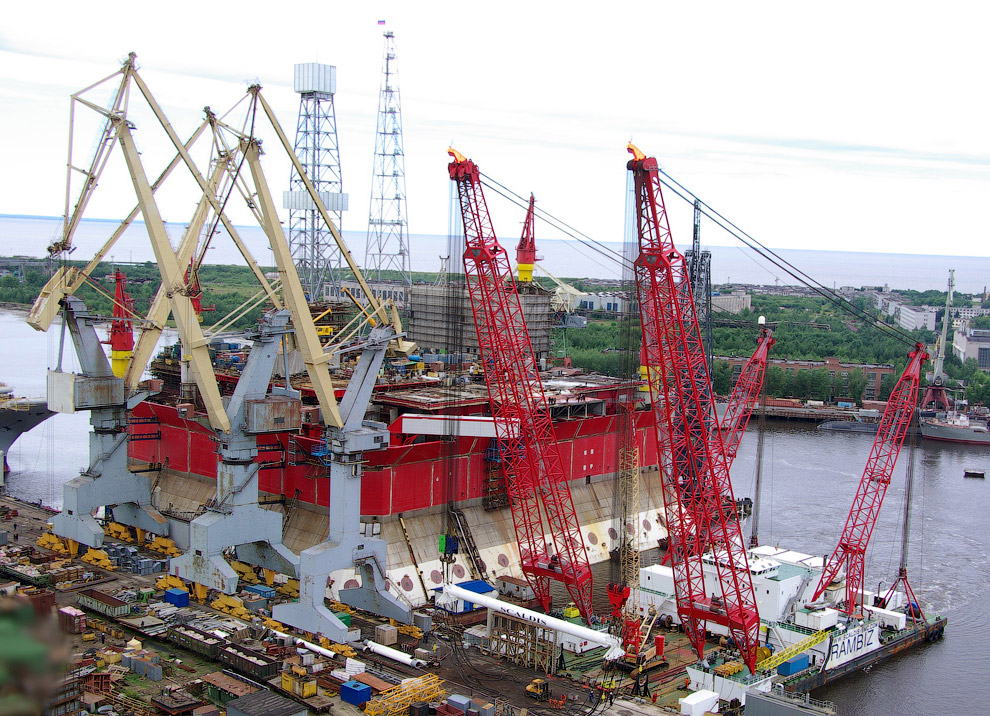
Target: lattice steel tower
314 252
387 247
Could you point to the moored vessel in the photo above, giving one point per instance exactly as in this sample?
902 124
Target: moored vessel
17 416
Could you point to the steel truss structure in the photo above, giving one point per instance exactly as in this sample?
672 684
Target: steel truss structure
387 246
316 255
530 456
690 445
851 550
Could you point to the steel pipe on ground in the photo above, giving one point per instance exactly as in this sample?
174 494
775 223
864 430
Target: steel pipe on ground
393 654
452 592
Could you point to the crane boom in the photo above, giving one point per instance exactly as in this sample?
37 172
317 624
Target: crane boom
745 391
530 457
526 248
691 449
851 550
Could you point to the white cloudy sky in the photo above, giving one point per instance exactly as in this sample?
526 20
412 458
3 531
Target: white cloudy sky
850 126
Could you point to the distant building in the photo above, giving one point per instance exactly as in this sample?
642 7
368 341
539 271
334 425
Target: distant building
972 343
735 302
885 304
969 312
912 318
607 301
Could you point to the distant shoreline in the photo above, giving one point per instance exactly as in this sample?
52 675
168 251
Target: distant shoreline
547 240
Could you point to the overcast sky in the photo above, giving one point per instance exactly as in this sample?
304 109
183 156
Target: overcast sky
848 126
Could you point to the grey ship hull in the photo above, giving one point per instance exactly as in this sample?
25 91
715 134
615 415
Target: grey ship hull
16 421
970 435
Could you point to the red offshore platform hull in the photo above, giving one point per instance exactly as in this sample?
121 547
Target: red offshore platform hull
402 478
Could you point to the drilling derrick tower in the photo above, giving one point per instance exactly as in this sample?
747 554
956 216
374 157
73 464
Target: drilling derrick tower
315 254
387 248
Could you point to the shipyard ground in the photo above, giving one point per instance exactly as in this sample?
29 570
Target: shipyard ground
465 670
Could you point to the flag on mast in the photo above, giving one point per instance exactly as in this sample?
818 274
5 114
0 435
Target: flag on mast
381 22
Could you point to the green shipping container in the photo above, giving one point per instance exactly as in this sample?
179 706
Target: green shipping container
344 617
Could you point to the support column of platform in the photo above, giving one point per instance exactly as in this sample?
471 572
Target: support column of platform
346 547
234 518
106 482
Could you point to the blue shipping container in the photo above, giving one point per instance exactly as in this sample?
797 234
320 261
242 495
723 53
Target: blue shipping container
794 665
355 693
177 597
261 590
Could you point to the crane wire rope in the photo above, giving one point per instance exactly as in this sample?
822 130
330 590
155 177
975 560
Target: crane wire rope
771 256
746 239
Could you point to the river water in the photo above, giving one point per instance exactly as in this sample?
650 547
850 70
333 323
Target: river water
809 480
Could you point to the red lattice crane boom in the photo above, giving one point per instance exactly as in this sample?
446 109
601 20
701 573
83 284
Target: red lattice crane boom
526 248
851 550
744 393
530 457
691 451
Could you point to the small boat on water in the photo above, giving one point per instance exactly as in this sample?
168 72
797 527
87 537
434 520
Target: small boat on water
974 472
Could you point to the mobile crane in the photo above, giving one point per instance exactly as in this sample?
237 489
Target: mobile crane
531 460
691 449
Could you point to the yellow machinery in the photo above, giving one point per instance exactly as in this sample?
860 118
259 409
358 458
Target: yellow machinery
168 581
98 558
115 530
289 589
342 649
340 607
396 700
59 545
729 668
199 592
164 546
245 572
296 681
408 629
538 689
232 606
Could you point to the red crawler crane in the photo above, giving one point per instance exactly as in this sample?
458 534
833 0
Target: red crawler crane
851 550
530 457
691 450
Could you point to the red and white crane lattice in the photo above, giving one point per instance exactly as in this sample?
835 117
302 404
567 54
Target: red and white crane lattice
530 457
